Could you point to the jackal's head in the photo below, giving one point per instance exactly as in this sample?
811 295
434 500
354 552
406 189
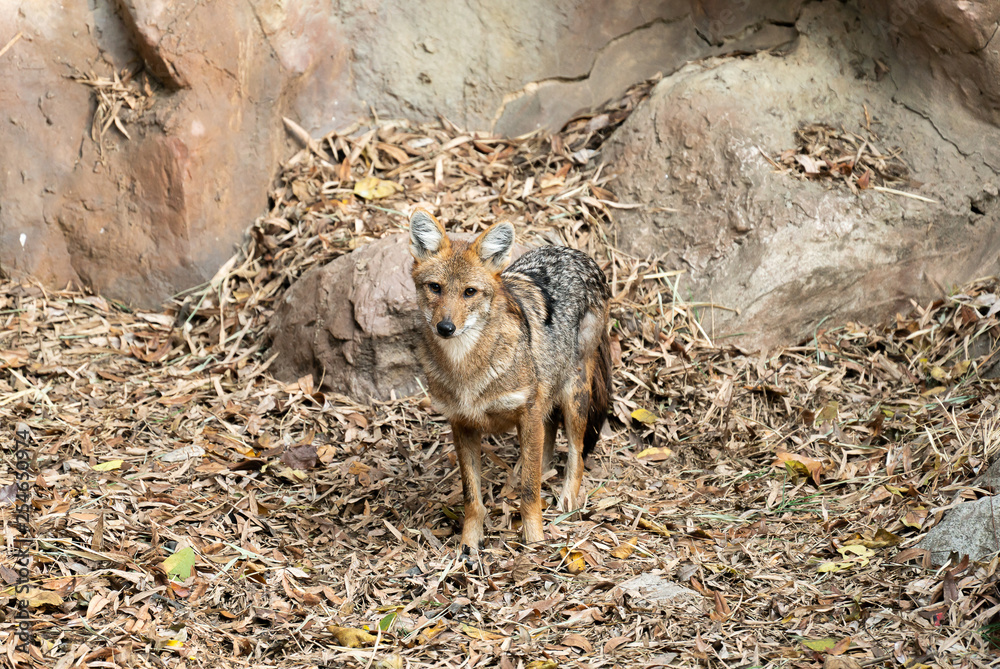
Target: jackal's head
457 281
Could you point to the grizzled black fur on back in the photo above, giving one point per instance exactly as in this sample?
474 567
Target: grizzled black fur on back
571 285
570 281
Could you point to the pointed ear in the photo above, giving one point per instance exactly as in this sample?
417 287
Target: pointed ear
427 236
494 246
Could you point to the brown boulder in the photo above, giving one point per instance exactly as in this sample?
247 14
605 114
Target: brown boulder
352 323
944 53
142 216
137 217
788 254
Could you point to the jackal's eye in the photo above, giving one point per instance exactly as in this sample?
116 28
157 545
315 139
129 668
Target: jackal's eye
469 292
435 287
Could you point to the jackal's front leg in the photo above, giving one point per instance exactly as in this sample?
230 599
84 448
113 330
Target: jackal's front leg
468 444
531 434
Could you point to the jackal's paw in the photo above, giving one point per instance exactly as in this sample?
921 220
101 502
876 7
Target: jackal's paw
569 502
533 534
468 556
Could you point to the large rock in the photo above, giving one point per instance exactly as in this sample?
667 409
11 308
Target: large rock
352 323
159 212
617 44
135 218
145 217
944 54
788 254
967 529
511 66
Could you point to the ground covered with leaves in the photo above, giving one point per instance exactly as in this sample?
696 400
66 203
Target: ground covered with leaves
191 510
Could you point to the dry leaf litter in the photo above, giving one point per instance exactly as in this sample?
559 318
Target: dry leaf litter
191 510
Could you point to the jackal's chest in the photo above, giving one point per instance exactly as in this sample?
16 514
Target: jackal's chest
495 411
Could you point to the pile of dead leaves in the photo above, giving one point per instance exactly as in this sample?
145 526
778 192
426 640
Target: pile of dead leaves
856 159
744 510
121 99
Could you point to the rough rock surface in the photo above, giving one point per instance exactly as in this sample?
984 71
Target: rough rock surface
143 217
945 54
140 218
655 590
353 323
672 35
514 66
990 479
971 528
147 216
787 253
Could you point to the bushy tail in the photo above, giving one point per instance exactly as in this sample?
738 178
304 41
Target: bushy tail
600 395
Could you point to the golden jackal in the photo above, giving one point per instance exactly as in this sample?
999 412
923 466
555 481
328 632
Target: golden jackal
519 346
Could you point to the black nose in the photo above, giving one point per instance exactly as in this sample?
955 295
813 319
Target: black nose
446 328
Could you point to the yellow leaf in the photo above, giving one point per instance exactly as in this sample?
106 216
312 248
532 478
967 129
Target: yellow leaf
351 637
938 373
655 527
820 645
828 567
883 539
542 664
796 469
801 466
37 597
430 633
622 551
174 643
180 564
108 466
960 368
481 635
860 551
827 413
575 564
373 188
644 416
655 454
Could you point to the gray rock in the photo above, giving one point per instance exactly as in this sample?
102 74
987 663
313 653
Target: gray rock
352 324
786 253
656 590
972 529
990 479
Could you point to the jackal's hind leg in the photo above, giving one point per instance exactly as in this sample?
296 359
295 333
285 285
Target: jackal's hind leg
548 454
575 412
